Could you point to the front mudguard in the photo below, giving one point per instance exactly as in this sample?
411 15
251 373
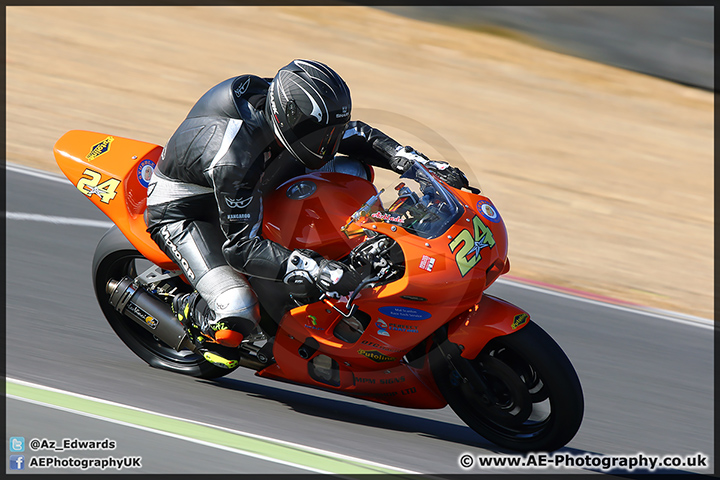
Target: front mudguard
490 318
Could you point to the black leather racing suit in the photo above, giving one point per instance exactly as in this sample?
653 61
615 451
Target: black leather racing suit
205 202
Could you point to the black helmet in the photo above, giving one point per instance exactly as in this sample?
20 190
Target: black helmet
308 106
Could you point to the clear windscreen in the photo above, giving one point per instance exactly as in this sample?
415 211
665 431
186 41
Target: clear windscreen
416 201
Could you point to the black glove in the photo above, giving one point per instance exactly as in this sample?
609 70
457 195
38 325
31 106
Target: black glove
306 268
404 157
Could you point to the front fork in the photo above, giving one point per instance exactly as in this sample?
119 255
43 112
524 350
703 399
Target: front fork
464 337
466 373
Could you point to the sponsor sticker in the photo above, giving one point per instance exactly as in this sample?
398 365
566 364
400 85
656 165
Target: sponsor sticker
151 322
414 298
145 171
427 263
390 381
376 356
99 149
520 319
386 217
405 313
381 381
382 328
140 313
379 346
364 380
485 208
398 327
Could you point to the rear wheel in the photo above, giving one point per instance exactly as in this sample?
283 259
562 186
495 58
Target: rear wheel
533 401
115 258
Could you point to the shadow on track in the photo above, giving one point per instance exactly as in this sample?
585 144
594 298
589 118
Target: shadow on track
349 412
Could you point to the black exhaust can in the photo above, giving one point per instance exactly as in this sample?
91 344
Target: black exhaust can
148 312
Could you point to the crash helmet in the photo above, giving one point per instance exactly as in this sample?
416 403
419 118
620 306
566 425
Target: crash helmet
308 106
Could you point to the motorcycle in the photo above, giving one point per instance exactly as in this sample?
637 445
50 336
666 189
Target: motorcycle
418 332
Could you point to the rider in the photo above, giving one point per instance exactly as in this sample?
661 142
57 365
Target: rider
205 208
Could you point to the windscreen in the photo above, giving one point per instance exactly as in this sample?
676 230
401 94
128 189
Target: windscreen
418 203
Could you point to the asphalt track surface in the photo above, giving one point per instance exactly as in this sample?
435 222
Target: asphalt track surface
647 377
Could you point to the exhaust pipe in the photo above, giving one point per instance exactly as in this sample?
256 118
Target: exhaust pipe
148 312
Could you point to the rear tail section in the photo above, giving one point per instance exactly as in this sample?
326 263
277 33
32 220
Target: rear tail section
113 172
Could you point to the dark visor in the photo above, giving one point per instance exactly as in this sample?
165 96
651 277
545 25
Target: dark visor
319 147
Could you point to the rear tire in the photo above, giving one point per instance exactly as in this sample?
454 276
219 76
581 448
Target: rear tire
115 257
537 401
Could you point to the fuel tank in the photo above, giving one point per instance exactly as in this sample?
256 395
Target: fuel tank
308 212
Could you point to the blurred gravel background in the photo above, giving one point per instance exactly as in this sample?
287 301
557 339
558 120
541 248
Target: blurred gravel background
672 42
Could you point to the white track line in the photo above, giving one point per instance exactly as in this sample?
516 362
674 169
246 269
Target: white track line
166 434
80 222
33 172
663 314
301 447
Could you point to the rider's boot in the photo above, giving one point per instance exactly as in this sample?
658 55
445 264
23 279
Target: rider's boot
217 343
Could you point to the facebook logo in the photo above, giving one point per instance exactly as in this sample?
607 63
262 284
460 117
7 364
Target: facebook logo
17 444
17 462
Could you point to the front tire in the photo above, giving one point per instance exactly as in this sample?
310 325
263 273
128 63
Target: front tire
535 401
115 257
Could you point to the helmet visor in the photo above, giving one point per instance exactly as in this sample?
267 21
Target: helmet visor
319 147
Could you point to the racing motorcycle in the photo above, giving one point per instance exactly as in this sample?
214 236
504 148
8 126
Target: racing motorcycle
417 332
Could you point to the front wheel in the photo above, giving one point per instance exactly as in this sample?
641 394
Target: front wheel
115 258
533 399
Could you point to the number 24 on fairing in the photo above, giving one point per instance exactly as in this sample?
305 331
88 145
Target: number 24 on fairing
472 244
91 184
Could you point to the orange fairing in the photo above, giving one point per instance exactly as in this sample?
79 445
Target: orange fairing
444 276
113 172
445 246
490 318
